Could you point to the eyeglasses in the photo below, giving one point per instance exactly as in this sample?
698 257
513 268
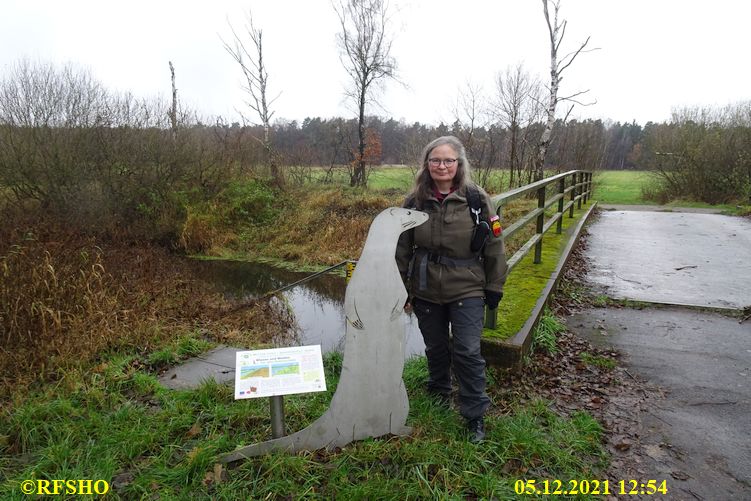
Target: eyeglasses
436 162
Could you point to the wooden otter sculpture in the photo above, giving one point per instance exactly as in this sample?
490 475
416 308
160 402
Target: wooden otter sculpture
370 399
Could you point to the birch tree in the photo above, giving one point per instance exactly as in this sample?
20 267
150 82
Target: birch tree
365 47
247 51
173 109
556 31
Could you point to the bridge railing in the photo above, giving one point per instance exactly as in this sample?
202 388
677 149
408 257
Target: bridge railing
574 184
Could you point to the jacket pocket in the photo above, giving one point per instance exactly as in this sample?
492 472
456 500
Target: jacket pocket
480 277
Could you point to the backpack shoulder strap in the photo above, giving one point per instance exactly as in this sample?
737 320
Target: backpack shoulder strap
475 203
410 202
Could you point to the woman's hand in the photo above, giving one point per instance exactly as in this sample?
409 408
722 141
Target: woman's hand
492 299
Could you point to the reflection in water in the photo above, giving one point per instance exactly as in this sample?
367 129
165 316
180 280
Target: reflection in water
318 305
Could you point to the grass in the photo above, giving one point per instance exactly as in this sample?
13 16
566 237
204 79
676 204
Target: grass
598 361
179 349
116 423
628 187
400 178
621 187
544 338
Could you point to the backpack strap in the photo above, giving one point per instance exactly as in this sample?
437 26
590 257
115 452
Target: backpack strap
481 230
411 203
475 204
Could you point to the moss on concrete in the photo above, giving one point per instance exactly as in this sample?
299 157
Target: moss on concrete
527 280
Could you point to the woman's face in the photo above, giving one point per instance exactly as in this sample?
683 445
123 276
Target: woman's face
442 165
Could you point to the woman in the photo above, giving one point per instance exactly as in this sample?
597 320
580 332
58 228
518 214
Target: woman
453 266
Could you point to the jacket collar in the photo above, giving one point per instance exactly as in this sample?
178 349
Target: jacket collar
455 194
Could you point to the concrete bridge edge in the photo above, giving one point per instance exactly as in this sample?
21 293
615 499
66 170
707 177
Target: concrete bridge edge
510 353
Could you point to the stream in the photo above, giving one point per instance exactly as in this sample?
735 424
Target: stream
318 305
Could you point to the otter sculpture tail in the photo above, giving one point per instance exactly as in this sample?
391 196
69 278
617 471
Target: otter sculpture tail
370 399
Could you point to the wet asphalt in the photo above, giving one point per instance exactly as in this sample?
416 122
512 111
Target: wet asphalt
699 433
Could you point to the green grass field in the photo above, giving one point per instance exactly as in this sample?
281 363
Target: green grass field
620 187
625 188
612 187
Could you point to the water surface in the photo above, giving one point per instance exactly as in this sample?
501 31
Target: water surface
318 305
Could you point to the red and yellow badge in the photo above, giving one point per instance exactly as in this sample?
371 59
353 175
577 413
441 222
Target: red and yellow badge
495 225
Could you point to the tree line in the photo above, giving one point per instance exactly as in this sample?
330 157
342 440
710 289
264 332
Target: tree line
76 148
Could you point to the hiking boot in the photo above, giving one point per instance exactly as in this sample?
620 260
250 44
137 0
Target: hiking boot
476 428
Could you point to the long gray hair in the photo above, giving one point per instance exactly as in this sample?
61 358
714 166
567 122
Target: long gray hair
423 187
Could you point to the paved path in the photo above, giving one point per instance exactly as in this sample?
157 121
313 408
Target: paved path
674 258
701 427
697 437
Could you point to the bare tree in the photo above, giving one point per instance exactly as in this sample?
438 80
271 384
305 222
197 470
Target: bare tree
518 106
365 49
173 109
249 55
471 120
556 30
469 111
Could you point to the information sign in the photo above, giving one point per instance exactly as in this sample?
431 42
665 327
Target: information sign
279 371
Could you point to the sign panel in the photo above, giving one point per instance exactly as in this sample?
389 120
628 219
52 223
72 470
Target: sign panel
279 371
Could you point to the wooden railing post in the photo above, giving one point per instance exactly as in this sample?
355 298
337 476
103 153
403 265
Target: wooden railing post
491 318
584 188
580 190
540 223
573 195
561 190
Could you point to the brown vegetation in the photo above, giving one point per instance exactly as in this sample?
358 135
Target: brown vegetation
324 226
66 298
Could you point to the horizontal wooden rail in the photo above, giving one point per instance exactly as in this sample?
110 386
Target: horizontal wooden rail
578 190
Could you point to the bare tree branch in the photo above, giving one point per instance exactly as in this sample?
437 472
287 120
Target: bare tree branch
575 53
251 62
365 51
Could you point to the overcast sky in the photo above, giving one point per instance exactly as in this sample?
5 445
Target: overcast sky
653 54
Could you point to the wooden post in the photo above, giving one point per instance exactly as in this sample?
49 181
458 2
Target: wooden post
491 318
540 223
573 195
561 189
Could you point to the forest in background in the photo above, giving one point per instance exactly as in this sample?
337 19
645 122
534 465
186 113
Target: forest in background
104 160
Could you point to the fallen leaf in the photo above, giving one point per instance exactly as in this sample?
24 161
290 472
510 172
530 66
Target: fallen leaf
193 431
122 480
680 475
621 443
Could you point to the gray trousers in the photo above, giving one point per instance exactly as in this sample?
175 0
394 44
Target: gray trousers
463 351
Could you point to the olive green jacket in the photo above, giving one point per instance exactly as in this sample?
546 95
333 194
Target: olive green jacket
425 254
